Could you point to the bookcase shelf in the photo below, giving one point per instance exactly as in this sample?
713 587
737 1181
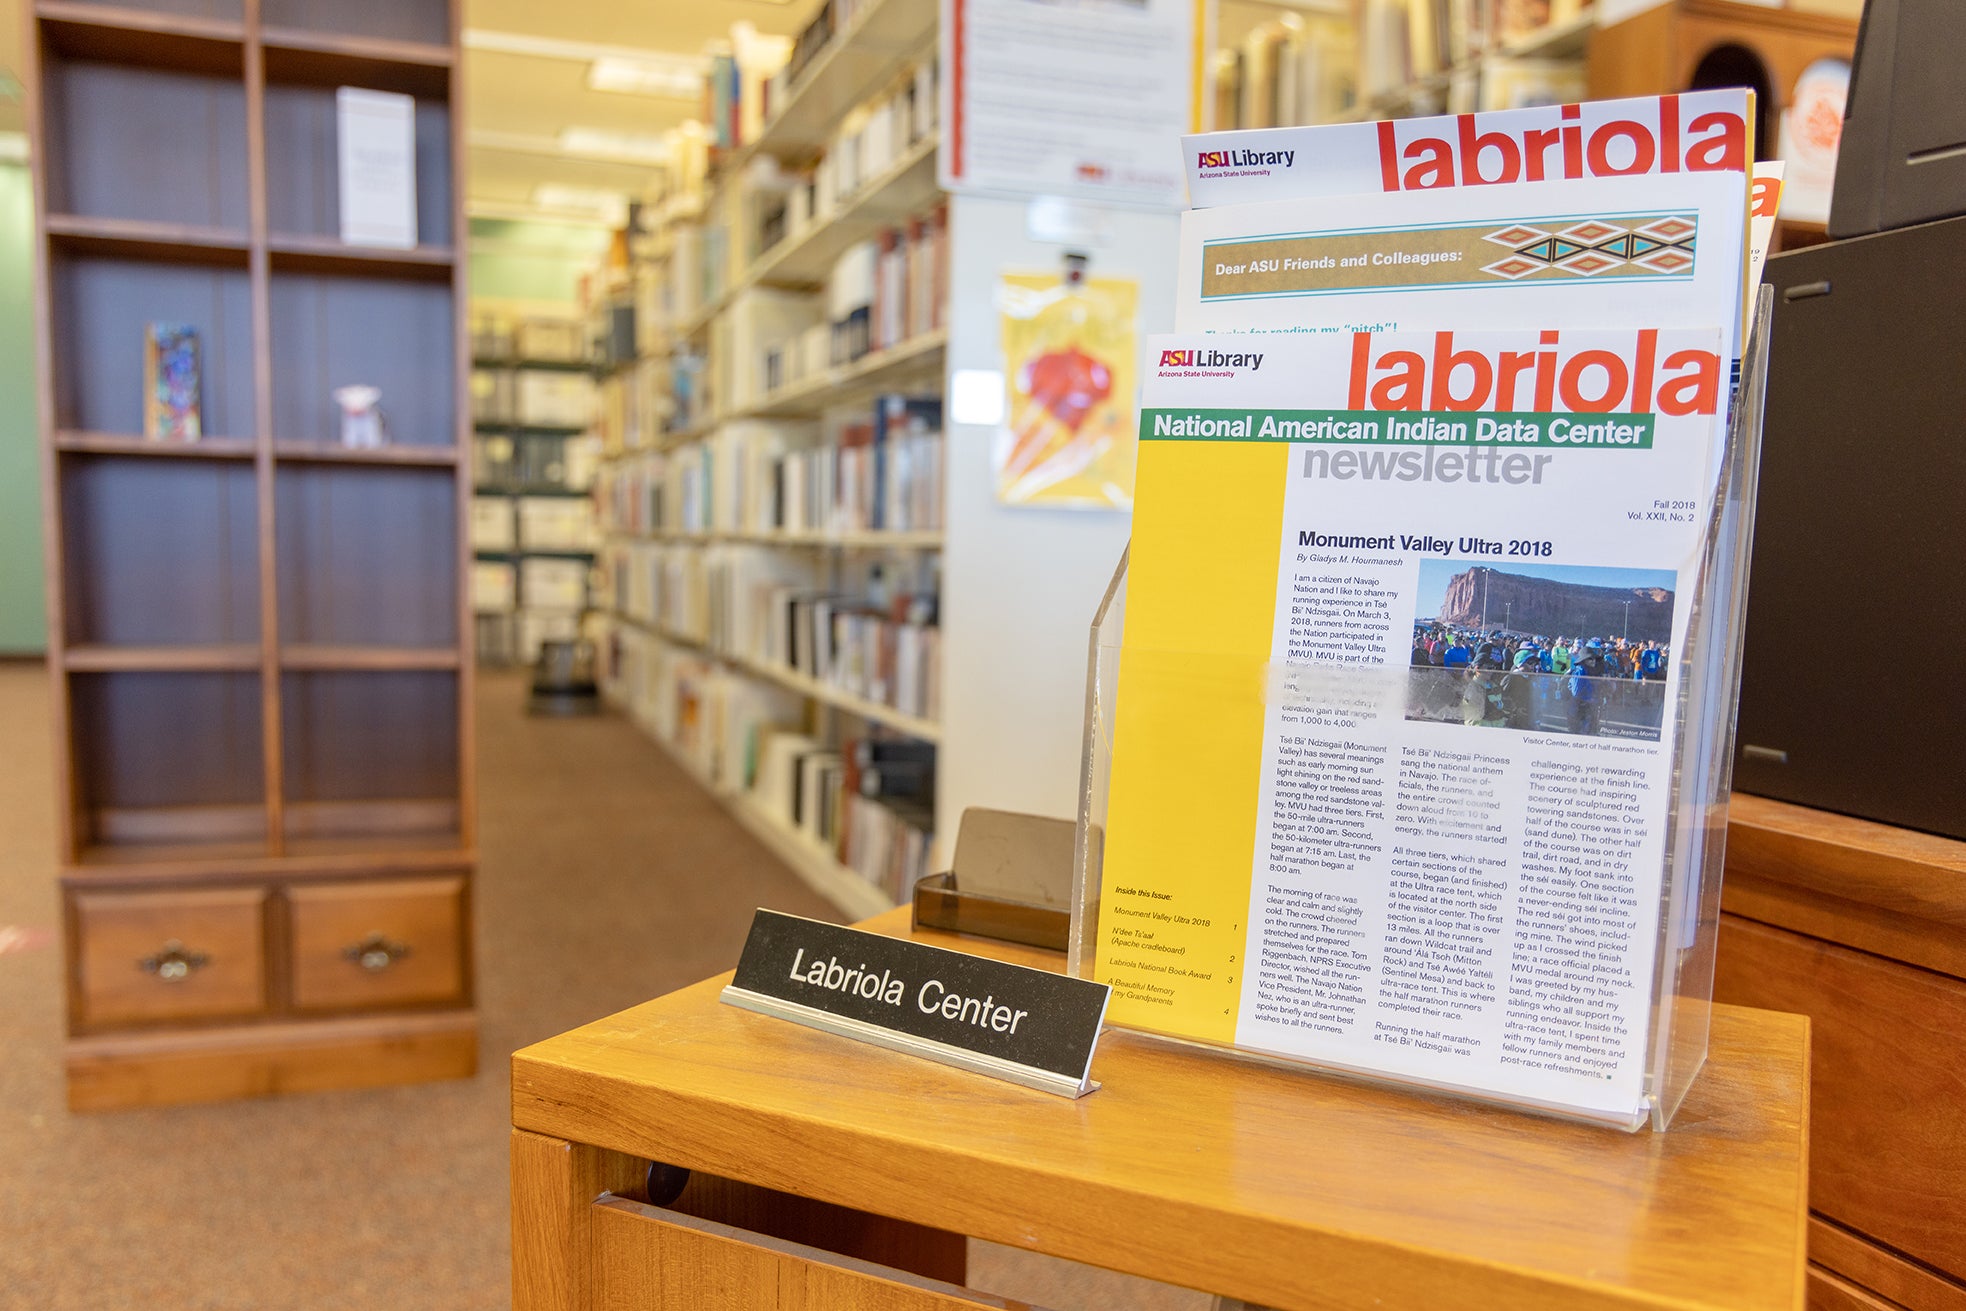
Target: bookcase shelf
869 51
517 362
871 540
153 36
826 694
72 442
815 866
420 22
907 187
528 429
309 254
871 374
384 456
315 656
414 68
259 638
873 712
856 897
162 659
145 239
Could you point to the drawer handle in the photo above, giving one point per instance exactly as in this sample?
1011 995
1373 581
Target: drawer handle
376 953
174 962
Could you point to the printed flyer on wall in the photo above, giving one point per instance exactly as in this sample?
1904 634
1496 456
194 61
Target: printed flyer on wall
1395 726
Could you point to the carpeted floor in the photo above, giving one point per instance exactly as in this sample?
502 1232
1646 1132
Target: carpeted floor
606 878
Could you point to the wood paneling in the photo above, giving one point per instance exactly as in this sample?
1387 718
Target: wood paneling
391 20
1882 1271
393 334
151 957
1889 891
112 1072
145 740
1889 1079
370 735
146 143
160 552
374 944
1829 1292
367 556
649 1259
101 307
1278 1187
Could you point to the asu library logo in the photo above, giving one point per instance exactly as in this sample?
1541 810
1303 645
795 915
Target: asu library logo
1173 362
1208 159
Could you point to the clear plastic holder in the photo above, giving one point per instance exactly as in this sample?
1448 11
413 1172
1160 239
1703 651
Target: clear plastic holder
1708 694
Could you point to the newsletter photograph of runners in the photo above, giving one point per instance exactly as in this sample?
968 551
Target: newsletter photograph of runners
1542 648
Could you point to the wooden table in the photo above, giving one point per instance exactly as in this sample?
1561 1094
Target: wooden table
1280 1188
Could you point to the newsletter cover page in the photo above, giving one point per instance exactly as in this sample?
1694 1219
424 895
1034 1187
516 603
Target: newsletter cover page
1394 729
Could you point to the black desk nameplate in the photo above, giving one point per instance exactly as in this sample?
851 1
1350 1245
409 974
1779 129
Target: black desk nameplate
1007 1021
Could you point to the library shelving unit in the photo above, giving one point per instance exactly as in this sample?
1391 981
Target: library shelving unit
259 640
875 46
519 460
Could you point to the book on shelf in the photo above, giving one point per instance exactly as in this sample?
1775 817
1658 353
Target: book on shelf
494 586
556 523
750 339
553 398
494 524
832 19
873 645
814 789
375 140
553 584
494 396
172 383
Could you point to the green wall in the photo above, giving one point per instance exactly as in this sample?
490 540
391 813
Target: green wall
23 618
518 260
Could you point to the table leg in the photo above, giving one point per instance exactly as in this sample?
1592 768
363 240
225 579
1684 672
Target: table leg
554 1184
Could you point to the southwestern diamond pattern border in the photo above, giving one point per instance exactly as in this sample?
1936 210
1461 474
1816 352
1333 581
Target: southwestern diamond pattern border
1649 245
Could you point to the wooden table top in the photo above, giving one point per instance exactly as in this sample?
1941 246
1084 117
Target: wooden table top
1279 1187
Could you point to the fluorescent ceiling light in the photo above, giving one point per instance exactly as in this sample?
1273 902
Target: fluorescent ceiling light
670 76
513 211
624 147
593 203
615 68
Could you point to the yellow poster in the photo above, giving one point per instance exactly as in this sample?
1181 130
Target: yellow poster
1068 343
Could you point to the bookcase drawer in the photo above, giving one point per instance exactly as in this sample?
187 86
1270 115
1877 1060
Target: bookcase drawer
359 945
150 957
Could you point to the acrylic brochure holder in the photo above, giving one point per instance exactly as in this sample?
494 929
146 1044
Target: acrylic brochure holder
1688 915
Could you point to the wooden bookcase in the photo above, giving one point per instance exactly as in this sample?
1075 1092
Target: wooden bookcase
259 641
